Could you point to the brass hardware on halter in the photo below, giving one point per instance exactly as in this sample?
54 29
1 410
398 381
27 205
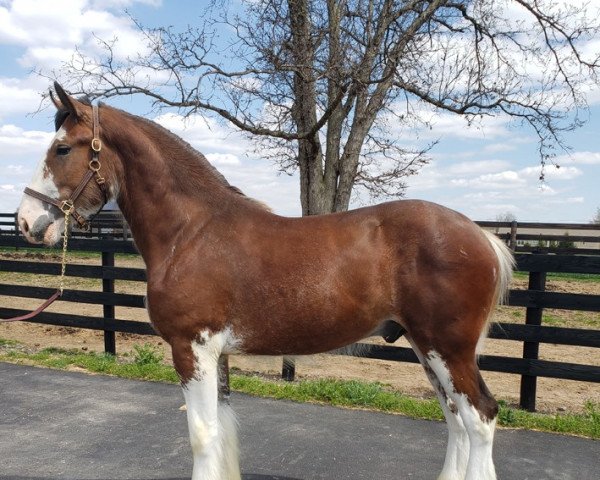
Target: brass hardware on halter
96 145
94 165
67 207
86 227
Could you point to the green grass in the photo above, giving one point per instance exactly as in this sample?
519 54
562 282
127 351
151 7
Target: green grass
83 255
146 364
579 277
586 424
553 320
94 362
50 280
589 319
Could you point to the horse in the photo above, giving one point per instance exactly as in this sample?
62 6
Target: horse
227 276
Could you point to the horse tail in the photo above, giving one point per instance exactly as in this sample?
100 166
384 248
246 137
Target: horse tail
506 262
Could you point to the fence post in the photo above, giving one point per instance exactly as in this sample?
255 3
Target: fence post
533 316
108 286
124 228
513 236
17 229
288 369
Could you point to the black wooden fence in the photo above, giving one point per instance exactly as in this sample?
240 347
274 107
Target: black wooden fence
532 333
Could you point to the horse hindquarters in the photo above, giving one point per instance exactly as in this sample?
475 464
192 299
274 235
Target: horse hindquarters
211 421
446 315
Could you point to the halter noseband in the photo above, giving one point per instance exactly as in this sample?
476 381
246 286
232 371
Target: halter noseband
68 206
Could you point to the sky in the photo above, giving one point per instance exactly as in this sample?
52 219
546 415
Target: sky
488 169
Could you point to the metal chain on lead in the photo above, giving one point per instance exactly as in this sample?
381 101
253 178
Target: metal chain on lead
64 252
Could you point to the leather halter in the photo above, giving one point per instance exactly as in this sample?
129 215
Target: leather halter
68 206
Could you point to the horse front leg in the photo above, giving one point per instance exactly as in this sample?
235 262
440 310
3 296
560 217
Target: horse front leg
211 422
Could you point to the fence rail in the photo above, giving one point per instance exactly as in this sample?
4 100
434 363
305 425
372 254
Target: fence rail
111 224
532 333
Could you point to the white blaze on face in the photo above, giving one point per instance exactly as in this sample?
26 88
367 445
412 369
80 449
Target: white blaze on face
33 214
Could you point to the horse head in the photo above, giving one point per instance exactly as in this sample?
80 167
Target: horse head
63 184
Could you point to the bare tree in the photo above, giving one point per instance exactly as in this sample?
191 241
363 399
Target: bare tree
596 218
506 217
335 88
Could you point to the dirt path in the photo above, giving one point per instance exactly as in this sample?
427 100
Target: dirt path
553 395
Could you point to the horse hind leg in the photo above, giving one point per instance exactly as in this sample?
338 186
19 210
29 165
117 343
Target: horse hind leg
477 408
457 449
211 422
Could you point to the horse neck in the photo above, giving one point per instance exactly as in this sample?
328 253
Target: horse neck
165 186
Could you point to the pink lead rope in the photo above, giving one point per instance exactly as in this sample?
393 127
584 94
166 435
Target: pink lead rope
38 310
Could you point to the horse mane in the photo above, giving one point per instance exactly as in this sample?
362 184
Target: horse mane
197 165
194 176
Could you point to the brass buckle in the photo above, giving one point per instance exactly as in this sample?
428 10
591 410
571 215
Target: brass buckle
67 207
94 165
96 145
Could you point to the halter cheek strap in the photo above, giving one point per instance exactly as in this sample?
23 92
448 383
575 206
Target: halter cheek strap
68 206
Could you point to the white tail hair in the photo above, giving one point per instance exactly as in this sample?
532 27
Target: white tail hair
506 262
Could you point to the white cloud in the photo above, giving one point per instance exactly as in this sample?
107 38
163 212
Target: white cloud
10 196
579 158
506 179
15 141
17 98
223 159
477 166
50 31
205 134
499 147
121 4
551 172
450 126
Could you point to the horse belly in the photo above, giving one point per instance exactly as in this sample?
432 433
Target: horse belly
307 319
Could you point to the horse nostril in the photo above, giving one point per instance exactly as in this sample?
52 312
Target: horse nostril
24 225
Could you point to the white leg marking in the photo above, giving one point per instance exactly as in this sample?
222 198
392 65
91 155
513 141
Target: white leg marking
212 426
480 431
457 449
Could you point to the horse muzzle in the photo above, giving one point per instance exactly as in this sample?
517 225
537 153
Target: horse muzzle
40 228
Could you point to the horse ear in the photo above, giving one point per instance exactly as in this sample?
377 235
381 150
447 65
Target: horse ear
55 100
66 102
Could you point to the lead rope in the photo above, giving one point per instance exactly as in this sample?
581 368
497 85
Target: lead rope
66 209
63 266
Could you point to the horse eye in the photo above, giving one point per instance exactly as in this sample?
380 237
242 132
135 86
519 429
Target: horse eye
63 150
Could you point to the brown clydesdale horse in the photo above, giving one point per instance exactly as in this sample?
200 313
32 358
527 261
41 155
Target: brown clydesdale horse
226 276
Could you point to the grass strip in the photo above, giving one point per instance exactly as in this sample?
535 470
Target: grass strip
145 365
577 277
